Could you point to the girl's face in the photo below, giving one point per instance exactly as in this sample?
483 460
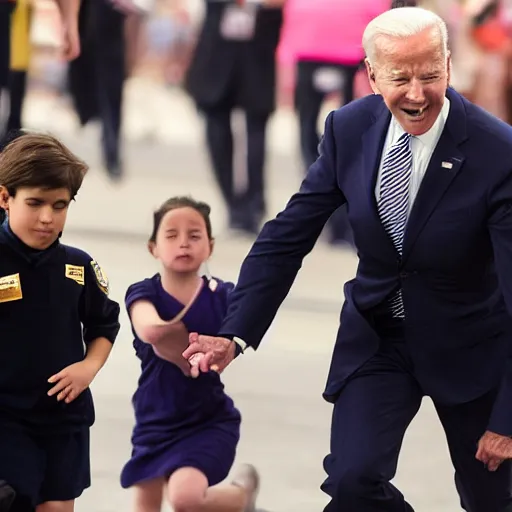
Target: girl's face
182 243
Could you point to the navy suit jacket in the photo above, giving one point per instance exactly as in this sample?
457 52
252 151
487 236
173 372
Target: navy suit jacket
455 271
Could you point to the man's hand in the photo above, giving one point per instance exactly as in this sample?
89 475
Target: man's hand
72 381
493 449
207 353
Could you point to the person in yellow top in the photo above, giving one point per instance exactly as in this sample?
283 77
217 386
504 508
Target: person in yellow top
71 41
20 61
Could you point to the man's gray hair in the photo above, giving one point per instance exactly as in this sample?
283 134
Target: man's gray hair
402 22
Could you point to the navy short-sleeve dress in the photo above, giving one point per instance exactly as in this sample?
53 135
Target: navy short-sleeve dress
181 421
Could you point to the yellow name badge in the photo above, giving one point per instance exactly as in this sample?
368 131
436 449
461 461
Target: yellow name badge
75 273
10 288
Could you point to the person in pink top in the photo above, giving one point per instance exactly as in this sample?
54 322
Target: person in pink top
322 39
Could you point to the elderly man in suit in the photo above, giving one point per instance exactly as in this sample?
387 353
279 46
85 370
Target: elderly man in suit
427 177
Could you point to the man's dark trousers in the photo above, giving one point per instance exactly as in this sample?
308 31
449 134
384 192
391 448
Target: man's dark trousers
370 418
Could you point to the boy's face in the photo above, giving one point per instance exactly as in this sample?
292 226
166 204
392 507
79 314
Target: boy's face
36 215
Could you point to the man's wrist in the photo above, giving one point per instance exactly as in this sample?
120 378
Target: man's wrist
240 344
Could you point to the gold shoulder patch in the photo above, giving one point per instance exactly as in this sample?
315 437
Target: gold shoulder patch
101 277
75 273
10 288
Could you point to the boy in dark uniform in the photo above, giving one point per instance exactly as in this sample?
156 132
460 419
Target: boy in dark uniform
57 327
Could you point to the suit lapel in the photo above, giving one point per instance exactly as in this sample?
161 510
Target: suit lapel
444 165
373 144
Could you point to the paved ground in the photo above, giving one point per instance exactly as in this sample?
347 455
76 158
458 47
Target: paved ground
278 389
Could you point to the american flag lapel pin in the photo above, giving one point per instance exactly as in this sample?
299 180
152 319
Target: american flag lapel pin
446 165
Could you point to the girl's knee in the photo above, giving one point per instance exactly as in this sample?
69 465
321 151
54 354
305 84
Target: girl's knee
187 490
184 501
56 506
149 496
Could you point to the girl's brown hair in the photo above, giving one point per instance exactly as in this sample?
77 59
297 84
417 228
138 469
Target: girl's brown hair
181 202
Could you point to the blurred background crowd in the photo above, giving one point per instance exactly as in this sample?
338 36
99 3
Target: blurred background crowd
235 65
227 102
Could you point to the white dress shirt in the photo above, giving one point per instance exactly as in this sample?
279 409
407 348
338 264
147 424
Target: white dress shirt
422 147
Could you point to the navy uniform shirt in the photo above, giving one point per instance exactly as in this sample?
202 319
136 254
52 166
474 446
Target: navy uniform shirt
52 304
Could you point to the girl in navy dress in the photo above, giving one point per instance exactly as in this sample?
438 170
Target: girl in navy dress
187 429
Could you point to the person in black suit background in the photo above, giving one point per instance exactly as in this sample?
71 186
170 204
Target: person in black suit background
96 78
234 67
6 8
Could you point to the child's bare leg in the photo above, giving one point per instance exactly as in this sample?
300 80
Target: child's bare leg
149 495
188 491
56 506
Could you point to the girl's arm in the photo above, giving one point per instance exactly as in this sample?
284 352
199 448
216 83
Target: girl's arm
168 338
148 325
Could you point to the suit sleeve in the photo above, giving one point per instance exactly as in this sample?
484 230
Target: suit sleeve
100 314
500 228
274 260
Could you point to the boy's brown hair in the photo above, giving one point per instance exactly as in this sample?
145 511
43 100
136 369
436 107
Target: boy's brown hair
35 160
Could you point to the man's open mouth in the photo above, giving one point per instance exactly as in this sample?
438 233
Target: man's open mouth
415 112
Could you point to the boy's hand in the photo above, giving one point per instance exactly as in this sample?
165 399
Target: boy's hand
72 381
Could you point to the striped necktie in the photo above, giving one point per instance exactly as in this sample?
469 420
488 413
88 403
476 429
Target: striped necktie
393 204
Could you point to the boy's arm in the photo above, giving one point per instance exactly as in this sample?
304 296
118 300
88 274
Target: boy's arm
99 313
70 382
73 380
99 316
97 353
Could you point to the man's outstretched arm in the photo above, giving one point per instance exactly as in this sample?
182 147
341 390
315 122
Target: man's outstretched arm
274 260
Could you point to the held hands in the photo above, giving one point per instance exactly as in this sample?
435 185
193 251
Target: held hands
72 381
493 449
207 353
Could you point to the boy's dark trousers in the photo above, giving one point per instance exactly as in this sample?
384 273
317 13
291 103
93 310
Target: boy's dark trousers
7 496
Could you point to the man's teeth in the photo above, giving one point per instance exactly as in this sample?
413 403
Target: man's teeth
415 112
